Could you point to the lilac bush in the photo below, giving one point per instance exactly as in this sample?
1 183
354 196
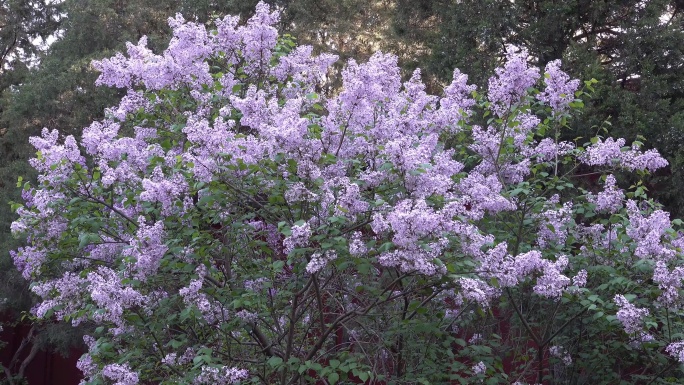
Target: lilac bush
228 223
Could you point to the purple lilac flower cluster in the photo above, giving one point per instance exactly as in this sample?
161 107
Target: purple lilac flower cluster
630 315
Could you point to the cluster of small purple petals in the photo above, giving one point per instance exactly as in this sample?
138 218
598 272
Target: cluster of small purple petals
41 215
221 375
548 150
356 245
86 365
487 143
298 192
509 270
319 261
480 195
28 260
610 199
610 153
299 237
553 283
56 161
580 280
163 189
649 232
511 81
147 248
478 291
255 285
497 263
415 258
479 368
650 160
303 67
412 220
341 197
554 223
639 340
456 102
603 153
111 296
193 297
122 374
676 350
183 62
669 282
259 37
560 90
65 295
173 358
630 315
369 83
523 124
247 316
129 104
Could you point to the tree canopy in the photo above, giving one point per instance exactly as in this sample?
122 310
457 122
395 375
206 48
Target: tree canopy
227 223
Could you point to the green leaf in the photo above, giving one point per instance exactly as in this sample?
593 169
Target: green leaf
275 361
333 378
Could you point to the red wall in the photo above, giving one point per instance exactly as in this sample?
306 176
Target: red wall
46 368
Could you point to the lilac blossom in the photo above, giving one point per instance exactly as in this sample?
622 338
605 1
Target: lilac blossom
55 161
559 90
479 368
611 153
299 237
649 232
147 248
512 80
319 261
676 350
111 296
630 315
610 199
221 375
122 374
478 291
549 150
669 282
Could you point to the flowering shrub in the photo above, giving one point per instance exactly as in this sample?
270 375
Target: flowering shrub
226 223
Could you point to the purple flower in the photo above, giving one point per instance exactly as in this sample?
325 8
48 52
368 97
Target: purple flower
676 350
299 237
479 368
560 90
122 374
512 81
630 315
610 199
